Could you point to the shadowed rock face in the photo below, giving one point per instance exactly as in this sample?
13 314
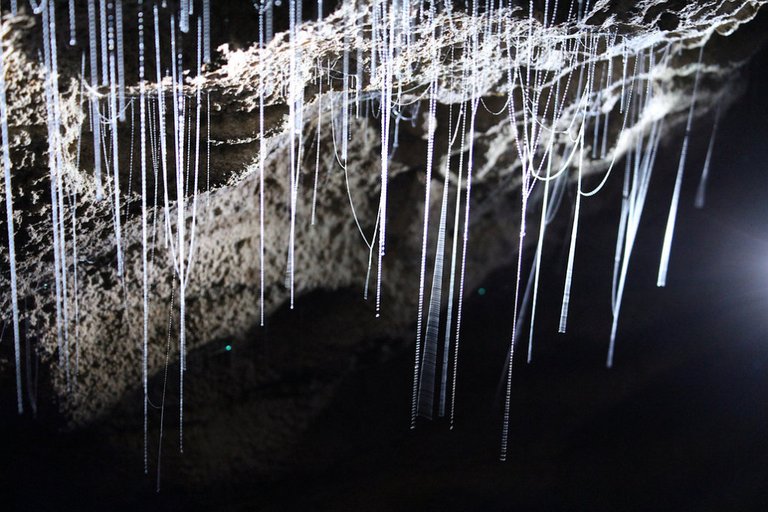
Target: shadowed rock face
224 291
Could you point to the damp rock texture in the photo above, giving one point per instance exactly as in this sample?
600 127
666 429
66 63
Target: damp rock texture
531 80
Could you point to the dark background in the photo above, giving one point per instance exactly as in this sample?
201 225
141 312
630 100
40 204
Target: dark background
679 423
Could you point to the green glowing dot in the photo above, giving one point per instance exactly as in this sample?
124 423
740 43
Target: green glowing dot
481 291
228 348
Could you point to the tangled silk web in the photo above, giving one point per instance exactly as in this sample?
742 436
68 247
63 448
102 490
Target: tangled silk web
585 88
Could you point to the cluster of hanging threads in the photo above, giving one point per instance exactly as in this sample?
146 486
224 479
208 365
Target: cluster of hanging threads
566 103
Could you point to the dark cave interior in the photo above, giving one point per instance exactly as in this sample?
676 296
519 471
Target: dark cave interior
679 423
